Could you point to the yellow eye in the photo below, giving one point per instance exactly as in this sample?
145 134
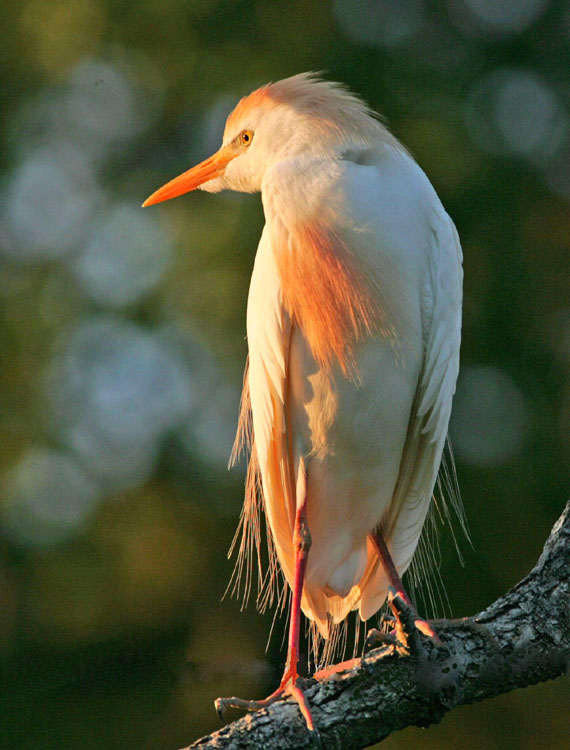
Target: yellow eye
246 137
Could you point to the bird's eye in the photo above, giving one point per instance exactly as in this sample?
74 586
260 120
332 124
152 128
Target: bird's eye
246 137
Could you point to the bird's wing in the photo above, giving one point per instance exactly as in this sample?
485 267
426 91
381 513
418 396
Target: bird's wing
441 322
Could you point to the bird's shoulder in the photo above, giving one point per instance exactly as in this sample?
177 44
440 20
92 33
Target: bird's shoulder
380 197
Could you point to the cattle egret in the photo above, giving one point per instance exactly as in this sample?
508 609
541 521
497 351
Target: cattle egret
353 328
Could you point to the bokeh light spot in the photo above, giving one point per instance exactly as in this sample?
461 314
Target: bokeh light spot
49 201
379 22
496 18
118 389
48 498
516 112
489 422
125 256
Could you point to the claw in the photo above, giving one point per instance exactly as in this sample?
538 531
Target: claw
316 735
409 635
288 686
220 706
376 636
412 632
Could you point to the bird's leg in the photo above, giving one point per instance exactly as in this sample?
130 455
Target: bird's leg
405 637
302 545
288 684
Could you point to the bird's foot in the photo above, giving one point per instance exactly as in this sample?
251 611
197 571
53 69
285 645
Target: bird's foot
288 686
381 637
409 635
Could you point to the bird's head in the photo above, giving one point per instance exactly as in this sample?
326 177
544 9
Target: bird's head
301 116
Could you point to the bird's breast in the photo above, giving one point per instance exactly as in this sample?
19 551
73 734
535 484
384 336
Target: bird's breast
352 421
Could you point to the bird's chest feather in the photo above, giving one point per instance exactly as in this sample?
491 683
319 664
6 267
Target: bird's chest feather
346 422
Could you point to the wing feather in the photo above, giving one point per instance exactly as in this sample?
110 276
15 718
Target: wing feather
427 432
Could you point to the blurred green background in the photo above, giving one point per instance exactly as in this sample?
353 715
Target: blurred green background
122 339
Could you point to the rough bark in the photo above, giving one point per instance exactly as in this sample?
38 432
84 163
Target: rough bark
519 640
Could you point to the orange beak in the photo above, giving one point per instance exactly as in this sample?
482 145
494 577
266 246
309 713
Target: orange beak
193 178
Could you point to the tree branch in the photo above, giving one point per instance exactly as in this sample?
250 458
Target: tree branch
519 640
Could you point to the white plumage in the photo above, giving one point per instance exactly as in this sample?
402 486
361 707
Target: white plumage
353 325
372 442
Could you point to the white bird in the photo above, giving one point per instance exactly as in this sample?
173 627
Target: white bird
353 327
